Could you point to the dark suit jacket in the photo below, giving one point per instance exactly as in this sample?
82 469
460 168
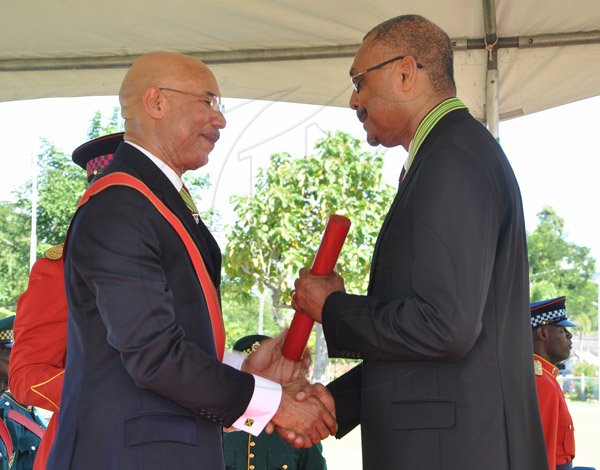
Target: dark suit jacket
446 380
143 388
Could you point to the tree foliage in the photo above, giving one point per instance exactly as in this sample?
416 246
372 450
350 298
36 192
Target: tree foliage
114 124
14 253
59 183
558 267
279 227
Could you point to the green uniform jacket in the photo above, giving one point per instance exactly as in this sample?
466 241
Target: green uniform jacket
25 442
268 452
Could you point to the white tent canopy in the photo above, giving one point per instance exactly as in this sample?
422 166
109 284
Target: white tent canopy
542 53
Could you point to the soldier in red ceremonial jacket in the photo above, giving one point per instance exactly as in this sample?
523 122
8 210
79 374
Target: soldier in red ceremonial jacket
40 331
551 345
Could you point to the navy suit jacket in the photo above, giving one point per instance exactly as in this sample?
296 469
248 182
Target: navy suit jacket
446 380
143 388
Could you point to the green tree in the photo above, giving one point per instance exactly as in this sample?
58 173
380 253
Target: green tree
558 267
60 183
114 124
14 253
279 228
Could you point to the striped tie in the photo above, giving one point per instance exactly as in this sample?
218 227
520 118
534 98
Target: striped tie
189 202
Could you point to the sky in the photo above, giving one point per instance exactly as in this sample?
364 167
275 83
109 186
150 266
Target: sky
554 153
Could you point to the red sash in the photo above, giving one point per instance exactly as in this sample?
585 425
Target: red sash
5 437
27 423
206 284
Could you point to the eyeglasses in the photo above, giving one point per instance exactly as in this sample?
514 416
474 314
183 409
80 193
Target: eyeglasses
210 99
356 83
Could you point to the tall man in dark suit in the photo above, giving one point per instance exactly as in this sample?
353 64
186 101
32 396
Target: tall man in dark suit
144 387
443 331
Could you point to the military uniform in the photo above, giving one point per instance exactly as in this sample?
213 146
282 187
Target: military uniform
26 429
552 344
556 419
267 451
38 359
243 451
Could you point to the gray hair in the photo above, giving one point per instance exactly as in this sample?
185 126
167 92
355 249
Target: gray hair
416 36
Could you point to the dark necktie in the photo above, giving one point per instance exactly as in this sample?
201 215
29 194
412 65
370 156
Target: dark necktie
402 174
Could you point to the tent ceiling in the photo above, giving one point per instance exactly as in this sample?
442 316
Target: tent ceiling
297 51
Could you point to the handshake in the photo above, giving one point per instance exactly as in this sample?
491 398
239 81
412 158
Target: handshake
306 412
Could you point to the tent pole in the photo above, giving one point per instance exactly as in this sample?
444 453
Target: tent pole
492 85
34 201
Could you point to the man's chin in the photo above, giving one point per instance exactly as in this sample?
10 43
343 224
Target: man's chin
199 162
372 140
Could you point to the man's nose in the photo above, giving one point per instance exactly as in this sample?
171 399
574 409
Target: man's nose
353 100
219 120
569 334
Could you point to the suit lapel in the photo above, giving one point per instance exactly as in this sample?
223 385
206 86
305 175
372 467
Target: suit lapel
144 169
410 174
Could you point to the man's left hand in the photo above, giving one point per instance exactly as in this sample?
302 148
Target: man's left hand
267 361
312 291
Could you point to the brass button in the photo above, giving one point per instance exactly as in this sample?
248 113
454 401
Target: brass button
251 455
284 466
251 467
252 443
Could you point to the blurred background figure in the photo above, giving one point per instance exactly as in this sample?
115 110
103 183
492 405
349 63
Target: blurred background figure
25 425
244 451
551 345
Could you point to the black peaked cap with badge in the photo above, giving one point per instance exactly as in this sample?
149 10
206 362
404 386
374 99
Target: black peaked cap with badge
248 344
550 312
95 155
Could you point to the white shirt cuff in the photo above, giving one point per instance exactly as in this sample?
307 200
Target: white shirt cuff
263 405
234 359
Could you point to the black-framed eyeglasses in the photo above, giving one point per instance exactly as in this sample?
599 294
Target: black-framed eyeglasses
212 100
354 78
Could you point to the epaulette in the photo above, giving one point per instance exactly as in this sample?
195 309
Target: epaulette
537 367
55 252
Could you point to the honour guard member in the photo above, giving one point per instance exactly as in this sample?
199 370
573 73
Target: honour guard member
551 345
38 358
24 424
243 451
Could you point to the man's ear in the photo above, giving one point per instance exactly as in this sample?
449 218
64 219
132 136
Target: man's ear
541 333
154 102
408 68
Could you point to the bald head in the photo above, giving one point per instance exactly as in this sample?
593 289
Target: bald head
160 69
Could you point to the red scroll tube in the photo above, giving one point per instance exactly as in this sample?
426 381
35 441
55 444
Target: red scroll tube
327 255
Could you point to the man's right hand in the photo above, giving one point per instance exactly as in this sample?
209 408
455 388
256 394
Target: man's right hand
305 423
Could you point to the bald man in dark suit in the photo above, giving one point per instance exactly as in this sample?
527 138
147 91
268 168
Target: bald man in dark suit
144 385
